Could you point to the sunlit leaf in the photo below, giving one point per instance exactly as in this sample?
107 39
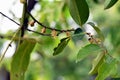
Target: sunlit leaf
97 30
87 50
79 11
107 67
21 59
96 63
61 46
109 3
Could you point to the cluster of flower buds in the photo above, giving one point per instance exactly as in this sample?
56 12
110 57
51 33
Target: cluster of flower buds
53 33
93 40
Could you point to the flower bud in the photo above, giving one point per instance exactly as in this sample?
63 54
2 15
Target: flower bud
31 23
23 1
43 30
53 33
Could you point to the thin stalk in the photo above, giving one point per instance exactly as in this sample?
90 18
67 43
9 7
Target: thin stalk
9 45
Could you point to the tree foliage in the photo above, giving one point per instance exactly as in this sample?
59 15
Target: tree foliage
60 38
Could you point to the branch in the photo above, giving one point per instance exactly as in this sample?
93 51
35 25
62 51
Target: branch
39 33
69 30
16 38
20 25
9 45
24 19
10 19
39 24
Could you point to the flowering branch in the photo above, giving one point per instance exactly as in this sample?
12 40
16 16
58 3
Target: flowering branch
42 25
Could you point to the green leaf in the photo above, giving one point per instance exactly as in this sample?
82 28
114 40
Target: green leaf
78 30
108 67
97 30
21 59
61 46
79 11
78 34
87 50
109 3
96 63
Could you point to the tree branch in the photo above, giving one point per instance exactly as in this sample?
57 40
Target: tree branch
20 25
3 36
39 33
42 25
10 19
39 24
24 19
9 45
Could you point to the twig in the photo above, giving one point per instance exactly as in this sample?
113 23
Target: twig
39 33
9 45
39 24
69 30
1 58
2 36
20 25
10 19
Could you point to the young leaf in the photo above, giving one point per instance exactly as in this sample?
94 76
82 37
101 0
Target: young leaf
109 3
20 60
61 46
87 50
96 63
79 11
106 68
97 30
78 34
